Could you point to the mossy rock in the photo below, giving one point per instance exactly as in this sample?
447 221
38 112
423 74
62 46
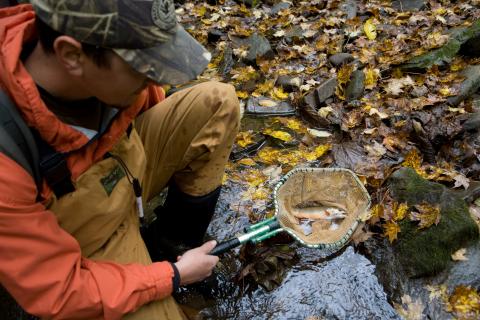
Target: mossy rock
447 52
427 252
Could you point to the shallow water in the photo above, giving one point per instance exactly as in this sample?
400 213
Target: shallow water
315 287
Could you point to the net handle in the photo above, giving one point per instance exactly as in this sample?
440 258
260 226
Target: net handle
267 228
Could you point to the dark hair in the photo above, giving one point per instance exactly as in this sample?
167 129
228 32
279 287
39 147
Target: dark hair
47 36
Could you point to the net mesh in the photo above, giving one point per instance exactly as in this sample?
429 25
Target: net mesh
324 188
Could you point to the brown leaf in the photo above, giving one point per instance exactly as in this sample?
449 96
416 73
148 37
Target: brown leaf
426 214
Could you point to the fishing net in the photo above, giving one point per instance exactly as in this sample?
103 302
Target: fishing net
327 190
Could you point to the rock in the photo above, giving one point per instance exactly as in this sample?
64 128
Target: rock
350 8
471 47
356 86
473 122
418 92
469 86
258 45
408 5
427 252
321 93
249 3
289 83
227 62
263 106
444 54
214 35
340 58
280 6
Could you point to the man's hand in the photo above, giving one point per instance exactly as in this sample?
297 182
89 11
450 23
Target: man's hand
196 264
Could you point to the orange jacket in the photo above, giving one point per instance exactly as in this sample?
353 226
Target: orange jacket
40 263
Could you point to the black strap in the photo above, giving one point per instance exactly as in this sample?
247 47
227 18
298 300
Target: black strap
25 147
16 139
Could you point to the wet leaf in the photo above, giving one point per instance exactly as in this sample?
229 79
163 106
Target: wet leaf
370 29
396 86
409 309
371 77
459 255
325 111
279 94
247 162
391 230
319 133
282 135
437 292
426 214
245 138
464 302
267 103
400 211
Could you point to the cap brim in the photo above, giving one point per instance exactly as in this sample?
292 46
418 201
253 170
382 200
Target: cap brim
174 62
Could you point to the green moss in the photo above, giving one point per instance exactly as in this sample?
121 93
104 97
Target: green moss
427 252
445 53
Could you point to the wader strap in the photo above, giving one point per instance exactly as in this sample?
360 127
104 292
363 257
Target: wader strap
24 146
16 139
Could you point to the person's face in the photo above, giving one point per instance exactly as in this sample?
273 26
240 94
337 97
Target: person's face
116 83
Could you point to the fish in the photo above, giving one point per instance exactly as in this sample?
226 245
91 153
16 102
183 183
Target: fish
318 213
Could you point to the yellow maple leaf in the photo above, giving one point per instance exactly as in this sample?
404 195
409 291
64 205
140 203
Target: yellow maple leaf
265 87
282 135
377 211
426 214
260 194
242 94
391 230
343 77
245 138
413 160
400 211
278 93
370 29
268 155
464 302
371 77
254 177
247 162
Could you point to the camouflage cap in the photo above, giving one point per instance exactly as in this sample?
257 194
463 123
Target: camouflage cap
145 33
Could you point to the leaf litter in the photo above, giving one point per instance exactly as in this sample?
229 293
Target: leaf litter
411 66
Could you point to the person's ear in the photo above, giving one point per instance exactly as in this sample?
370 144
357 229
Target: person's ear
70 54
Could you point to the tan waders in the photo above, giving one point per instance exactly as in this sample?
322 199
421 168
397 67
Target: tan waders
188 138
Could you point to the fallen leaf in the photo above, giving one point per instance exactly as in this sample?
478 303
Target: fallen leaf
370 29
371 77
461 181
278 93
282 135
267 103
395 86
464 302
409 309
459 255
325 111
245 138
318 133
391 230
426 214
437 292
247 162
400 211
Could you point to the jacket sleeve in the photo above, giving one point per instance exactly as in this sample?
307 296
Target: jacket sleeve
42 267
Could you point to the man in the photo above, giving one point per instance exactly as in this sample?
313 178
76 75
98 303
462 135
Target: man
84 76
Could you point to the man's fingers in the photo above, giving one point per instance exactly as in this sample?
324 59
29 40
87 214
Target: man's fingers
208 246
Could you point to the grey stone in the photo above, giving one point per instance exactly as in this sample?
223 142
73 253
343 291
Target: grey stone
279 6
418 92
321 93
350 8
340 58
289 83
471 47
258 47
356 86
469 86
408 5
